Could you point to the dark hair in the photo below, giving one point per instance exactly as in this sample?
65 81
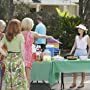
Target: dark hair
39 18
79 34
14 27
83 34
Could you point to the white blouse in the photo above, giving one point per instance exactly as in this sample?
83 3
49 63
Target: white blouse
82 43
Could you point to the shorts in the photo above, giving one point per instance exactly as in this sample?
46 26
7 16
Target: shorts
80 52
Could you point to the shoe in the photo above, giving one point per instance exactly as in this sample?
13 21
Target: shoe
73 85
81 85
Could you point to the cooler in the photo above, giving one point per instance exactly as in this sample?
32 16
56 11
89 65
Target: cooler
51 49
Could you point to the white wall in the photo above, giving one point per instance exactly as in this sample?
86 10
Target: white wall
58 1
25 1
75 0
51 1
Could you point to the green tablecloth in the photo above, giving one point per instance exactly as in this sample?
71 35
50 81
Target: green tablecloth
50 70
68 67
41 71
71 66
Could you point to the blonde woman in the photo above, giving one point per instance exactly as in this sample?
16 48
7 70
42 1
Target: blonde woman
2 66
2 28
27 25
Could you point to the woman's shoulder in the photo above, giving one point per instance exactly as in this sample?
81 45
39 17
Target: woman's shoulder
23 32
77 36
33 33
86 36
20 35
26 32
4 36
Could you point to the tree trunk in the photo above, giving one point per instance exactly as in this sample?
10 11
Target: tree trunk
81 8
10 9
84 11
88 15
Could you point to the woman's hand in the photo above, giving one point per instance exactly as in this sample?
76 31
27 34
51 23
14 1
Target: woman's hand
50 37
70 53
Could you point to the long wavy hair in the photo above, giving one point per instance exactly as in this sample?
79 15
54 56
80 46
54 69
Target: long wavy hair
13 28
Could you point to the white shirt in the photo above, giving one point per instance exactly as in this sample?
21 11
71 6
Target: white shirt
81 43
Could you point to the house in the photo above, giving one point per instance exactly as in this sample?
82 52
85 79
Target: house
65 5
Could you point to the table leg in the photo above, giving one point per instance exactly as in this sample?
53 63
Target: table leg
62 81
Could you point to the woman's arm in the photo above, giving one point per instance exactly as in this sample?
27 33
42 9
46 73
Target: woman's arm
73 48
4 53
36 35
88 41
2 42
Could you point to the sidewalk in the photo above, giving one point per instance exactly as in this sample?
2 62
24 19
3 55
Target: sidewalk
68 81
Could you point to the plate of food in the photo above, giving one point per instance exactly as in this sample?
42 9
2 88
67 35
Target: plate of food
70 57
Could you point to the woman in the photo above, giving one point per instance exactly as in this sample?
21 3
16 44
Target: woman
80 47
27 25
2 28
2 66
15 77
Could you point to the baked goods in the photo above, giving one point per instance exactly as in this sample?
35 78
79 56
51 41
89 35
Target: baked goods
71 57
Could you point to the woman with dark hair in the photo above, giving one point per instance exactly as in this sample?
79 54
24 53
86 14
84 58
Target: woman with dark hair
80 46
15 77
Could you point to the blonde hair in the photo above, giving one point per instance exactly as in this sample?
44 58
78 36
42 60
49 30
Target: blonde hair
27 24
2 25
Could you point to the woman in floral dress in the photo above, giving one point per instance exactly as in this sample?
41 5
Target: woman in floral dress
15 77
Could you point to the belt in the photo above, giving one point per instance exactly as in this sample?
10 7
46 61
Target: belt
80 49
12 52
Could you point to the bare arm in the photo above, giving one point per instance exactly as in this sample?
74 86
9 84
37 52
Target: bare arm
2 42
73 48
2 51
88 41
36 35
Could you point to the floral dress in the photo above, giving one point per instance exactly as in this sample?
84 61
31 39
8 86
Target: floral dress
15 77
29 39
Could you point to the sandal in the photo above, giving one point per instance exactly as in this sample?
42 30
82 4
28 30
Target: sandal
81 85
73 85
